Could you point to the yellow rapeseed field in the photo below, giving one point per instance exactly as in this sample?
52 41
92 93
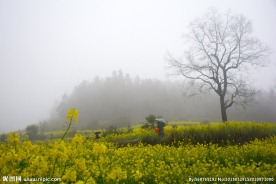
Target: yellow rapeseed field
82 160
176 158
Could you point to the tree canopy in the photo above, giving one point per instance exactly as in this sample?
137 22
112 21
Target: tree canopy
221 50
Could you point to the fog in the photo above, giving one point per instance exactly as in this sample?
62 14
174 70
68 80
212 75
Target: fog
47 48
121 100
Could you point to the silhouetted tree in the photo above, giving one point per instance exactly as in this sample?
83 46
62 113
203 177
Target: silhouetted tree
151 119
42 127
32 131
3 137
221 48
109 101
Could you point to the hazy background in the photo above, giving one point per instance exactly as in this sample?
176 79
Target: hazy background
48 47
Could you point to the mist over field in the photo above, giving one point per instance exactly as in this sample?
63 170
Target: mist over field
108 59
120 100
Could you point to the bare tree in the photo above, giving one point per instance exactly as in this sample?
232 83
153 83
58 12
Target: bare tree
221 49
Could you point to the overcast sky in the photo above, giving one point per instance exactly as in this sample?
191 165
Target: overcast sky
47 47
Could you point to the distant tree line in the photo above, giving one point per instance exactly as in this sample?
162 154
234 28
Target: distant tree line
119 100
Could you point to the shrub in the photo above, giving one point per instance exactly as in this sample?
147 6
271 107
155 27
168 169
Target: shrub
151 119
32 132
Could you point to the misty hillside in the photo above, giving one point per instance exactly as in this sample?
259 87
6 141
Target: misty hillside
119 100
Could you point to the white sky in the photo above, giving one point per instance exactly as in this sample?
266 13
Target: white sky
47 47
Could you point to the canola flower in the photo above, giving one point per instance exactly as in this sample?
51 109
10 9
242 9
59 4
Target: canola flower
72 115
87 161
82 160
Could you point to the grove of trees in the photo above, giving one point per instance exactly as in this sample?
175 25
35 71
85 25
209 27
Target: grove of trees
120 100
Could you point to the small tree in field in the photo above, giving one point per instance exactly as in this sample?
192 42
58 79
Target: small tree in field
151 119
32 131
221 49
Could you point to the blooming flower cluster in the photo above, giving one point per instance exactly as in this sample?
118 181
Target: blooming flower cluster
72 114
82 160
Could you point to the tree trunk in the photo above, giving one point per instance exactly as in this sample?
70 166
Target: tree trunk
223 109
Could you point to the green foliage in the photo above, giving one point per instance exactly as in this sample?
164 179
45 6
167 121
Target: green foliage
3 137
217 133
111 130
32 132
129 128
188 132
220 133
146 126
151 119
151 139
